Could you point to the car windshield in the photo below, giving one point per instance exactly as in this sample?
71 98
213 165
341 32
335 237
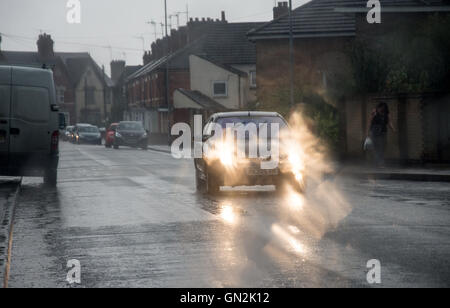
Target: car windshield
88 129
133 126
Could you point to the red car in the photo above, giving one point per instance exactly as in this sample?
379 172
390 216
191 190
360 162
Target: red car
110 135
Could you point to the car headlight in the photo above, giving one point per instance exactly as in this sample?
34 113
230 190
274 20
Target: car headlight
226 158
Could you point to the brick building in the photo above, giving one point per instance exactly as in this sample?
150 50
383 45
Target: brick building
83 90
324 33
222 43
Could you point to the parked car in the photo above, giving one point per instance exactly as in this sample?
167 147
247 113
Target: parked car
102 132
224 167
87 134
110 134
29 123
68 134
131 134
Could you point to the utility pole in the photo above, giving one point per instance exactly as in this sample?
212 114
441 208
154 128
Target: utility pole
169 107
105 111
291 56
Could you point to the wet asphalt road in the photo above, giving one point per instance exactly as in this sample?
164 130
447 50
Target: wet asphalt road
133 219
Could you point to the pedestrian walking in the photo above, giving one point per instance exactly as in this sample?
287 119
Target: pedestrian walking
378 129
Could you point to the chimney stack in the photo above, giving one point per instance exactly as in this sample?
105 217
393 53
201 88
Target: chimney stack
223 17
117 68
280 10
45 46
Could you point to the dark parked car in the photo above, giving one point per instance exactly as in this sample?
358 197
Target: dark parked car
224 167
87 134
131 134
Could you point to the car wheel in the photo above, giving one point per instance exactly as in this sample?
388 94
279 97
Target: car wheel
51 177
286 181
212 184
199 183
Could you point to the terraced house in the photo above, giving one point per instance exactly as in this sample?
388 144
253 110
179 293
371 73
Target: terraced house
84 91
212 67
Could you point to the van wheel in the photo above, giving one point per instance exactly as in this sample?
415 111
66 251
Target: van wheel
51 177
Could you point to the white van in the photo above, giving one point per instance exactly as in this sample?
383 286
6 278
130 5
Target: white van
29 123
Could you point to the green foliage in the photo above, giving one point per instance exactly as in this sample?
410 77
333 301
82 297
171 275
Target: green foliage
406 60
324 117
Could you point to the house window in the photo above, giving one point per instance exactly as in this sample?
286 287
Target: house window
90 96
253 79
220 88
60 95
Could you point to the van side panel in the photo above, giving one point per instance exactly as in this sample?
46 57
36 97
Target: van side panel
5 106
32 122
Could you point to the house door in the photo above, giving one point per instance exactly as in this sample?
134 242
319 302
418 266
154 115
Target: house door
444 131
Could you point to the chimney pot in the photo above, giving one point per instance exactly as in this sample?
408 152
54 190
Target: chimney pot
280 10
45 46
117 68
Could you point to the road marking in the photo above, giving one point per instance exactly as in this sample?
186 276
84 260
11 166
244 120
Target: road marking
8 261
10 240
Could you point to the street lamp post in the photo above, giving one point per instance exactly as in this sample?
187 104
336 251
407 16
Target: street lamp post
291 56
169 107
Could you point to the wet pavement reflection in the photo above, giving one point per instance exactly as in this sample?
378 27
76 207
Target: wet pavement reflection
133 219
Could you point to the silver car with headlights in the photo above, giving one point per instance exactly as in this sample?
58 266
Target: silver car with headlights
227 164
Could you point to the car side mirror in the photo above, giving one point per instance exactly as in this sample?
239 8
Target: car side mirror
62 121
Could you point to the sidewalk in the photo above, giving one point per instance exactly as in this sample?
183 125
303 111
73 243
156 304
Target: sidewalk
423 174
363 171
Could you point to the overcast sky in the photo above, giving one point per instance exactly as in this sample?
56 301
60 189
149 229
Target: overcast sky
117 23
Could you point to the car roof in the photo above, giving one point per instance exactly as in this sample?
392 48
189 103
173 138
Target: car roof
239 114
83 124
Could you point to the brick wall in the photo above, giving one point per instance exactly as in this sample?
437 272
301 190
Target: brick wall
313 59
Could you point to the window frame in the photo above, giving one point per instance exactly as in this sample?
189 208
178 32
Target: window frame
214 89
253 83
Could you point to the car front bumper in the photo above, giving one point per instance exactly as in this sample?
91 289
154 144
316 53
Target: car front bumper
131 142
247 173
